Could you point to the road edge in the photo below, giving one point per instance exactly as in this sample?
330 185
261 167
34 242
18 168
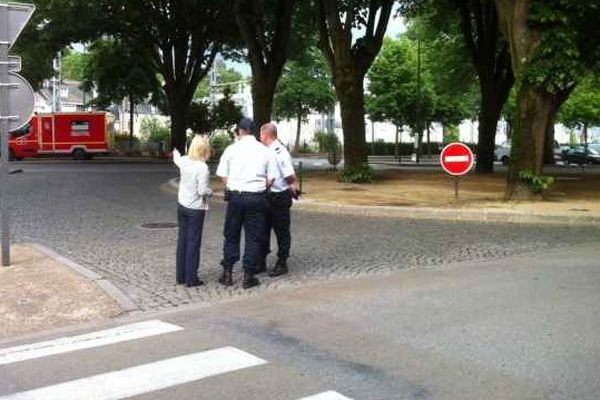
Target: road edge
126 304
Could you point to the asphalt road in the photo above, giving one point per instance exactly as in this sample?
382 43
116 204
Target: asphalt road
525 327
93 214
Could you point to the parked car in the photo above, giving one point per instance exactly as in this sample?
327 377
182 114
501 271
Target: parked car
581 155
502 152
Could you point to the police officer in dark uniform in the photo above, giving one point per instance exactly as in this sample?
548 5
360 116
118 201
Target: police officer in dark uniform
280 201
247 169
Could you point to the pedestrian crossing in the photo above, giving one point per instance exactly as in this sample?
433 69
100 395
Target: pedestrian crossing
88 341
135 380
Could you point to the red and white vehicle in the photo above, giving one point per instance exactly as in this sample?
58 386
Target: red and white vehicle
79 134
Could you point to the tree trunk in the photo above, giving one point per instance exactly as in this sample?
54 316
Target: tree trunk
549 150
396 144
491 108
534 114
179 108
298 131
491 57
352 104
131 122
263 91
349 64
534 105
267 48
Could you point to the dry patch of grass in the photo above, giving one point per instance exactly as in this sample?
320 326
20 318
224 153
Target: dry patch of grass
570 193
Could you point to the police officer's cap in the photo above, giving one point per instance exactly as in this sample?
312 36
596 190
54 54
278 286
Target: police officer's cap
246 124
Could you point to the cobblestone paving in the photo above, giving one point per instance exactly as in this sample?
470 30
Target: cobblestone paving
93 214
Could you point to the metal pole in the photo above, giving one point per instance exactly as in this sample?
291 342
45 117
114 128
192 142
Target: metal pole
4 132
418 136
456 178
301 168
372 138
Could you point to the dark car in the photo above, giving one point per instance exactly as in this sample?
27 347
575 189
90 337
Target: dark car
581 156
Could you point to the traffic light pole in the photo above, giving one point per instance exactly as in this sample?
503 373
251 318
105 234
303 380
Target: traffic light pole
4 132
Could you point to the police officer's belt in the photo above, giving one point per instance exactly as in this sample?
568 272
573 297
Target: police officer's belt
239 193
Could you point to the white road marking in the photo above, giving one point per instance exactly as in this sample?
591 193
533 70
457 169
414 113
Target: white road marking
331 395
86 341
451 159
146 378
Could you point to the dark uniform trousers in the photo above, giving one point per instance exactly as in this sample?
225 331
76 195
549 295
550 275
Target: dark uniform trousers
248 211
189 240
278 219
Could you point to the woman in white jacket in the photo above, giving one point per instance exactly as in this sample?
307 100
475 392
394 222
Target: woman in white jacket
194 192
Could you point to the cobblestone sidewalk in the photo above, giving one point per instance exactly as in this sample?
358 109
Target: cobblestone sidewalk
94 218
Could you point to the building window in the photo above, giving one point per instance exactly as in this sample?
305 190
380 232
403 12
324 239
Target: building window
80 128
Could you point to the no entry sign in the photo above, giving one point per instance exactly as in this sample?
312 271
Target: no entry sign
456 159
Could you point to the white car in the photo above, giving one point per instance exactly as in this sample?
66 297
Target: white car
502 153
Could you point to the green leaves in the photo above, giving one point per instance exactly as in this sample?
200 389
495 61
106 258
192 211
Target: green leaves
537 183
583 106
449 92
119 69
304 87
570 43
224 115
73 65
361 174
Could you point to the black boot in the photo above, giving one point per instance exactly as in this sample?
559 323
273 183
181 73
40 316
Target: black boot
250 281
226 279
280 268
195 282
261 267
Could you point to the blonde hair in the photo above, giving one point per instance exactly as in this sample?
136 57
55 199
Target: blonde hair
200 148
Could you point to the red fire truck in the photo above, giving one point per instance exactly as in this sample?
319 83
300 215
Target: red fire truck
80 134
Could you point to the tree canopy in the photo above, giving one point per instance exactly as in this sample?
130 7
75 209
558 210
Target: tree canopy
304 87
582 109
119 70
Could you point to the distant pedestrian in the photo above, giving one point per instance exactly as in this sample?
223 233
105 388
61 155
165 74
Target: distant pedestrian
193 198
280 197
247 169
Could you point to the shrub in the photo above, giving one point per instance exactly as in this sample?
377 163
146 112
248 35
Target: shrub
218 143
332 146
120 143
363 174
538 183
452 134
154 131
320 139
305 148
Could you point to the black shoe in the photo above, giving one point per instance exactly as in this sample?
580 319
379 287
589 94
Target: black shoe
195 282
226 279
261 268
250 281
280 268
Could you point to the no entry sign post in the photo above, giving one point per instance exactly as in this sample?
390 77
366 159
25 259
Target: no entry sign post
16 102
457 159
